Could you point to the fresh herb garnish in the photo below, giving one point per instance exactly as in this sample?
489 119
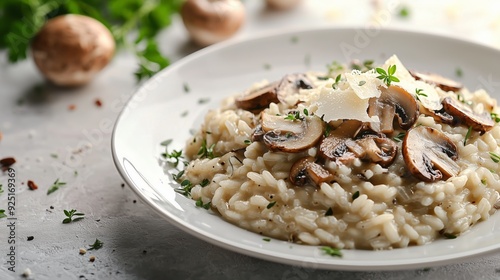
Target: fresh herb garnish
329 212
355 195
458 72
203 100
186 88
2 213
399 137
174 156
69 216
334 252
387 77
449 235
267 66
185 189
54 156
494 116
271 204
1 188
185 113
294 39
467 135
247 142
177 177
483 181
337 80
206 206
55 186
204 183
206 152
364 66
166 143
328 128
404 12
306 112
293 116
266 239
361 83
334 67
494 157
419 92
97 245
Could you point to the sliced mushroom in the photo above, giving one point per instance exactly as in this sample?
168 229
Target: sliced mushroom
291 135
374 149
334 146
340 146
258 99
291 84
437 80
440 116
429 154
306 170
393 101
464 114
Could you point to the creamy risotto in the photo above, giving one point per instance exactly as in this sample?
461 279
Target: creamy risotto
359 157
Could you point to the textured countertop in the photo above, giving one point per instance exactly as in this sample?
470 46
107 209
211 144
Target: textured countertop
51 142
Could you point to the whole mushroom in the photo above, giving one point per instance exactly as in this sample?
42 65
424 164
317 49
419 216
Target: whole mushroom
70 50
211 21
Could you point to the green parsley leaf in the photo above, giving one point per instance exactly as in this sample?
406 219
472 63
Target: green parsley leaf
271 204
355 195
55 186
387 77
483 181
494 157
97 245
69 216
199 203
399 137
467 135
449 236
334 252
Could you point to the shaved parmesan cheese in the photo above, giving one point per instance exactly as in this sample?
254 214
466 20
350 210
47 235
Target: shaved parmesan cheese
432 101
365 85
342 104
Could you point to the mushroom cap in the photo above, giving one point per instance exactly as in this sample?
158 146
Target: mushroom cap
291 84
70 49
258 99
393 102
291 136
429 154
211 21
306 170
464 114
374 149
438 80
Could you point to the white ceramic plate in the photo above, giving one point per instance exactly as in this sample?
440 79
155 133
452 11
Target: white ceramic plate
168 106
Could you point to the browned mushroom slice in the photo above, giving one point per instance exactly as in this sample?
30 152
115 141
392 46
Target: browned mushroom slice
429 154
334 146
393 101
306 170
440 116
291 136
258 99
374 149
437 80
291 84
465 115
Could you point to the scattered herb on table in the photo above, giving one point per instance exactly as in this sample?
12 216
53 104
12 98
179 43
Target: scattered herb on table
387 76
97 245
334 252
55 186
2 213
70 216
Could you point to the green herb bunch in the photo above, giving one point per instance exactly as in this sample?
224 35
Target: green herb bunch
133 23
